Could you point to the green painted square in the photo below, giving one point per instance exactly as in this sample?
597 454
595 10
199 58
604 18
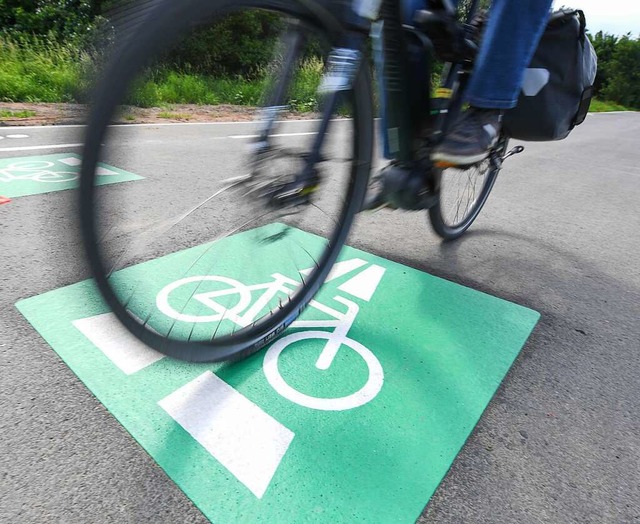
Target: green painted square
33 175
443 349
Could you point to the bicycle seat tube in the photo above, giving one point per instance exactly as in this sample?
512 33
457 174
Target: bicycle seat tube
400 122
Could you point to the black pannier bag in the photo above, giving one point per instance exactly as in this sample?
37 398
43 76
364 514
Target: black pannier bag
558 85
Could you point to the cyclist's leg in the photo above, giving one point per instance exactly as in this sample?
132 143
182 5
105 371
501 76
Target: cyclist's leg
510 39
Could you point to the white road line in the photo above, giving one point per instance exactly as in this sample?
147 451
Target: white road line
612 112
270 136
164 124
35 148
239 434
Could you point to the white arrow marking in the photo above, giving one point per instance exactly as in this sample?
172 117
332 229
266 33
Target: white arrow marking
71 161
364 284
340 269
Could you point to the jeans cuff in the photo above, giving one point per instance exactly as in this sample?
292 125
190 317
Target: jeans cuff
488 103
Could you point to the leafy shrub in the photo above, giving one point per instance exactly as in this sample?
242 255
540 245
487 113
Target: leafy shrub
62 20
623 85
238 45
40 71
604 45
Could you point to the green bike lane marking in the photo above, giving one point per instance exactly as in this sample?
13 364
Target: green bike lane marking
32 175
272 438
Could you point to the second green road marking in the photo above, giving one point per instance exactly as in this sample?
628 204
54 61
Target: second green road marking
277 437
33 175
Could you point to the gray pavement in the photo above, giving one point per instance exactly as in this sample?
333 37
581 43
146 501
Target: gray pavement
559 443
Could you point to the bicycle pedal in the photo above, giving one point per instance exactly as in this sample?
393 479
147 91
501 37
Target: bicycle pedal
294 193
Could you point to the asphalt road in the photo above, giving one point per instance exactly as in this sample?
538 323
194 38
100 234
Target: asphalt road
560 442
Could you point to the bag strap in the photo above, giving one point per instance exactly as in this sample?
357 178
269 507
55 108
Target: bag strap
565 13
583 22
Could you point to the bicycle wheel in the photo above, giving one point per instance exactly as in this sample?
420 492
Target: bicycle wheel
462 191
239 202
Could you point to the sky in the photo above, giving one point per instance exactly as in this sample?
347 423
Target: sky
617 17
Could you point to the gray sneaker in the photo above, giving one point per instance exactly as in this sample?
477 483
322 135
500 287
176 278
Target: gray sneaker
471 137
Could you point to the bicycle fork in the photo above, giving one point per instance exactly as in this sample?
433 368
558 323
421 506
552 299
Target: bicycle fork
340 74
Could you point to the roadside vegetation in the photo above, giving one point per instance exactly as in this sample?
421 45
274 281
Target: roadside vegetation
5 113
49 51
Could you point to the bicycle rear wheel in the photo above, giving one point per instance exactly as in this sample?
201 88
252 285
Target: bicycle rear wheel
181 257
462 192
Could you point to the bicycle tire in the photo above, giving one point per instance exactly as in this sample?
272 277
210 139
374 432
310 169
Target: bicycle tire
168 22
451 230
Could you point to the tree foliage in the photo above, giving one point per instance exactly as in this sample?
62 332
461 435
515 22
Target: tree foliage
604 45
237 45
623 84
242 42
618 77
59 19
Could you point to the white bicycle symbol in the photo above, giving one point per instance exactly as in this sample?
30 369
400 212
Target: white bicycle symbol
36 170
243 313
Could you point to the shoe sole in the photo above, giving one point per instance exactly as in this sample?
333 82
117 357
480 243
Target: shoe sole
443 160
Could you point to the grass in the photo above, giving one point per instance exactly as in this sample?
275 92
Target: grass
25 113
174 116
161 87
41 71
602 106
45 71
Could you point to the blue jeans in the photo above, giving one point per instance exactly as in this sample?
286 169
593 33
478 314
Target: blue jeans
510 40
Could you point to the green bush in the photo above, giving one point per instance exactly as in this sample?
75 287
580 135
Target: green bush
238 45
623 85
305 85
603 106
41 71
62 20
604 45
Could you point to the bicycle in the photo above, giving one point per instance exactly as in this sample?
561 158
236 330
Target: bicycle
257 206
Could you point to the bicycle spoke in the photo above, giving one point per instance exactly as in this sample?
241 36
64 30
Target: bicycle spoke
226 210
163 227
460 192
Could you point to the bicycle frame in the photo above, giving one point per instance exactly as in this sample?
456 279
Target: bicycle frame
407 131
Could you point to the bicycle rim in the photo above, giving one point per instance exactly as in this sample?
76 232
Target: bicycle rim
183 256
462 192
